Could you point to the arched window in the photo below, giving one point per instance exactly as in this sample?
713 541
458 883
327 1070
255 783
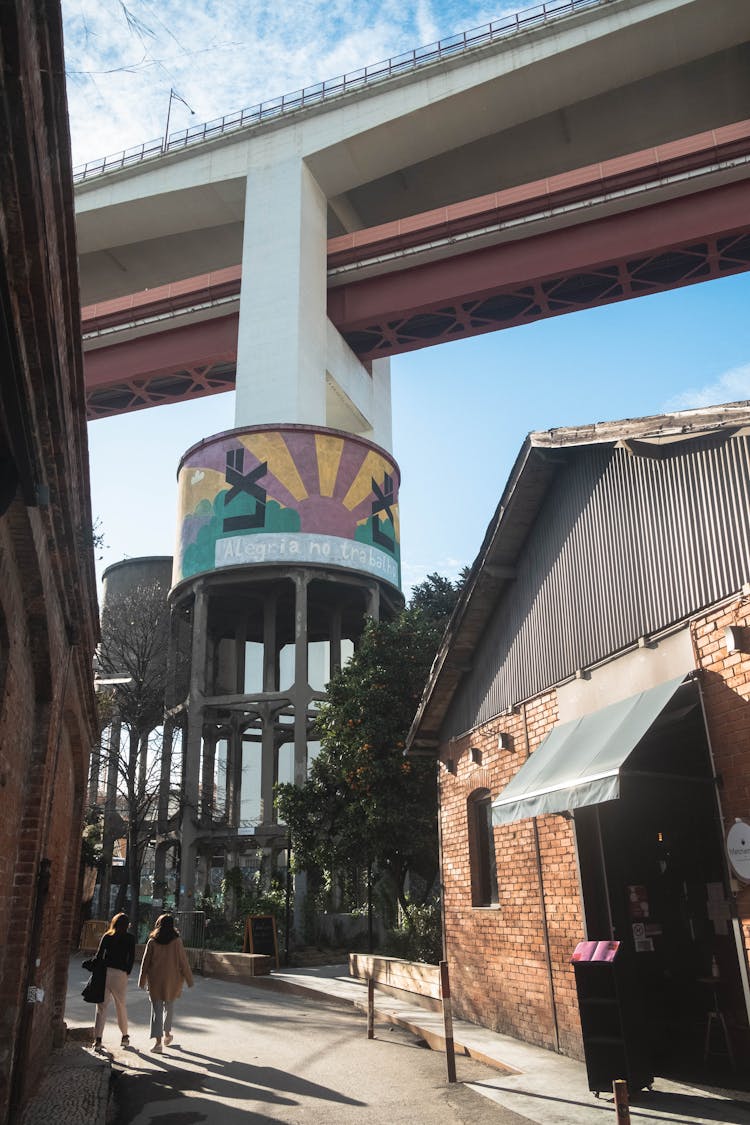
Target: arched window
482 849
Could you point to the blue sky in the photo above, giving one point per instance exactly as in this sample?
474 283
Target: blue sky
460 410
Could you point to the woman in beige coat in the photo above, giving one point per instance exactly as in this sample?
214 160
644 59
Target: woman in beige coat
163 969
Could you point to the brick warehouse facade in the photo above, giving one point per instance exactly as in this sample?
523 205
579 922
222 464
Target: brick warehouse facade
501 975
48 618
616 561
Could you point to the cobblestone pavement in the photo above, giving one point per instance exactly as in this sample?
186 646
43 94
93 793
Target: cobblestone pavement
74 1090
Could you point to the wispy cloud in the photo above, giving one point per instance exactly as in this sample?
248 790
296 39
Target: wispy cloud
732 386
123 56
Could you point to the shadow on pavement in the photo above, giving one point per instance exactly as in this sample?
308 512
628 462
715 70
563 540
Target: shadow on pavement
269 1077
652 1106
166 1080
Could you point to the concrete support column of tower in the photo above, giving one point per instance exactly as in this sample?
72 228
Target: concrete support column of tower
192 748
281 343
207 779
234 772
301 689
269 749
335 632
267 766
373 603
165 775
110 812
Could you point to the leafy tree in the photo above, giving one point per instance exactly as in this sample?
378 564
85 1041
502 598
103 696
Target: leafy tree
365 803
134 644
436 597
91 843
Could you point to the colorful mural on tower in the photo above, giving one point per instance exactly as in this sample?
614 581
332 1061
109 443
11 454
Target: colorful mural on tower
288 494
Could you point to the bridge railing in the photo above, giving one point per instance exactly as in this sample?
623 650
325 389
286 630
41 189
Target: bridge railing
335 87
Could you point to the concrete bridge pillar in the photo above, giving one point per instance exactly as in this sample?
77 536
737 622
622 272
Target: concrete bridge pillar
281 344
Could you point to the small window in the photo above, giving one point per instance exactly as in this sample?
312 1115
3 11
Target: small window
482 850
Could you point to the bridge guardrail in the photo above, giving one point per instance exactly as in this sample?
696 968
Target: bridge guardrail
335 87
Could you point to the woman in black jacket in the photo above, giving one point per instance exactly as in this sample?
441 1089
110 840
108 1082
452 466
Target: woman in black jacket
117 951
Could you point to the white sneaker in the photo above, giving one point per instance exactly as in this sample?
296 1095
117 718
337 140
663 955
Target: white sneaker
168 1039
157 1049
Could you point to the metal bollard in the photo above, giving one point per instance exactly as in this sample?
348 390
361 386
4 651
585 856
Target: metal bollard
370 1008
445 994
622 1105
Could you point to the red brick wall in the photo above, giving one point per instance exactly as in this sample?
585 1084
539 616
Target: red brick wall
48 618
497 955
16 861
726 692
44 745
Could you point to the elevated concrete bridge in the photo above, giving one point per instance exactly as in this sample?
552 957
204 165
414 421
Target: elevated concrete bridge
600 154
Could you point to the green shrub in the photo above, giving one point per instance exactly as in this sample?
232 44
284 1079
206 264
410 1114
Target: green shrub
421 937
225 935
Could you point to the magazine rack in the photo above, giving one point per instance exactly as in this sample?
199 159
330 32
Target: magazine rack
613 1030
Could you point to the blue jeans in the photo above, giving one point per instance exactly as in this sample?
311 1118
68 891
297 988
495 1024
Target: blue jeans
161 1017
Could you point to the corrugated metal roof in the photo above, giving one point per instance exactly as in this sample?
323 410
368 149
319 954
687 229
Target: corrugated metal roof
637 494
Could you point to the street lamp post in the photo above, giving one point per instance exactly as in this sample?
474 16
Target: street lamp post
173 96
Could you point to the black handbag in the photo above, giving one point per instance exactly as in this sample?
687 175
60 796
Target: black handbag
93 992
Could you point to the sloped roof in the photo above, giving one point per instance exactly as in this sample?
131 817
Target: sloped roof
494 568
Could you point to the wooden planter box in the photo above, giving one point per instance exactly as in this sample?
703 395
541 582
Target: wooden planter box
237 967
406 980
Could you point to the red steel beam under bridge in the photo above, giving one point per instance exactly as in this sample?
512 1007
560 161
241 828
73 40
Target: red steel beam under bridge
695 235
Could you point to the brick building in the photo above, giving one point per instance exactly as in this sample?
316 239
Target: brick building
590 710
48 618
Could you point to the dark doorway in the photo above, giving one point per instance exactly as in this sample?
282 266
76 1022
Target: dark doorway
654 877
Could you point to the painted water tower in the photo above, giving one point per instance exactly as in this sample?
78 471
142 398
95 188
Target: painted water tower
287 540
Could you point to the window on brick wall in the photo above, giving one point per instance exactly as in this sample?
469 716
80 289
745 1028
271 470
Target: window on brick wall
482 849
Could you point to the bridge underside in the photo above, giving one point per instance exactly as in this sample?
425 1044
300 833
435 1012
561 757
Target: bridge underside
640 224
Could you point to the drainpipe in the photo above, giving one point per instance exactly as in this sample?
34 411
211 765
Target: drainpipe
542 905
441 880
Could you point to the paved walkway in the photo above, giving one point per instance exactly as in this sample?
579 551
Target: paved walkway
544 1087
538 1085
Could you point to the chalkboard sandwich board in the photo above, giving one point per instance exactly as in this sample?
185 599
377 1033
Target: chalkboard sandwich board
260 936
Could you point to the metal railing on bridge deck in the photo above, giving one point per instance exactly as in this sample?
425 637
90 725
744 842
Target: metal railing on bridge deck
335 87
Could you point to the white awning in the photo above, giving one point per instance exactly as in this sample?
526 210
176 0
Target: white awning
579 762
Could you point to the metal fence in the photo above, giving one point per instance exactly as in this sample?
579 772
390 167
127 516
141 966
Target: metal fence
192 927
313 95
190 923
